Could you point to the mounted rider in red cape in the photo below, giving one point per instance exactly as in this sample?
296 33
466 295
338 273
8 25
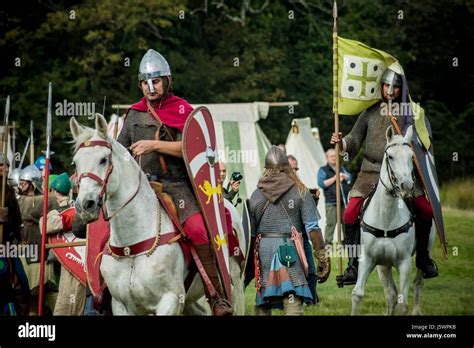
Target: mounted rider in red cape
152 131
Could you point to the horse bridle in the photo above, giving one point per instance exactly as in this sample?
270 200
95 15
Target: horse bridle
104 182
395 190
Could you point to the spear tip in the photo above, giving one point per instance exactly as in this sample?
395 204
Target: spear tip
334 10
7 109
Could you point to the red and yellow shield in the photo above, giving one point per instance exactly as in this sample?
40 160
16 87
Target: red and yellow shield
200 156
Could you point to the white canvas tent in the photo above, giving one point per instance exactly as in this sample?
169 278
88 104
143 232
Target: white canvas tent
303 143
241 143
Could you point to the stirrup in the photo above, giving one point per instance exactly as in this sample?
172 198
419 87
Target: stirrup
345 279
341 280
436 270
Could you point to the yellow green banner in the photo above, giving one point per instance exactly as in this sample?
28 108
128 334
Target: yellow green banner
360 69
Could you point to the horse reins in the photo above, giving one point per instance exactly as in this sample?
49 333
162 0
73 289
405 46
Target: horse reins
376 232
105 181
393 180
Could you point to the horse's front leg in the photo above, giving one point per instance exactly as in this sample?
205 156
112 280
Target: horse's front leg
366 266
386 277
170 304
118 308
404 270
417 287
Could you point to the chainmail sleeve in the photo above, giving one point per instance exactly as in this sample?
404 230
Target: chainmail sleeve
308 214
356 136
252 204
125 136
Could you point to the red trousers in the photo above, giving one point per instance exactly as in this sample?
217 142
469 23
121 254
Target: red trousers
421 207
195 228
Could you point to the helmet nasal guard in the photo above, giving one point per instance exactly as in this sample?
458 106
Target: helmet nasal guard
392 79
153 65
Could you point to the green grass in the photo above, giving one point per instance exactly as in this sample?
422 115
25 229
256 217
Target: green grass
451 293
458 194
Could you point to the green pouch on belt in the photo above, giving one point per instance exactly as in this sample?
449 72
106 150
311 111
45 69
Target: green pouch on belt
287 254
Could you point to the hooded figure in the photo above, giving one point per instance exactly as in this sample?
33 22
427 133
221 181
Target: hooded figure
281 208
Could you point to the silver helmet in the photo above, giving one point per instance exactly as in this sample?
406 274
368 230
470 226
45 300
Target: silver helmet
153 65
392 79
275 157
31 173
14 177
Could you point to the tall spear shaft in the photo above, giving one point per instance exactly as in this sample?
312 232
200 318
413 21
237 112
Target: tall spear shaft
4 150
25 150
103 107
32 144
116 123
336 130
45 201
13 164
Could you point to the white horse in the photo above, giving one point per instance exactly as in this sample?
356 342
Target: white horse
142 284
388 214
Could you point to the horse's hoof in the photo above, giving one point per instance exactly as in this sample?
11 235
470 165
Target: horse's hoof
221 307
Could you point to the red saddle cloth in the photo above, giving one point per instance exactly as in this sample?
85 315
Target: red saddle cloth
98 236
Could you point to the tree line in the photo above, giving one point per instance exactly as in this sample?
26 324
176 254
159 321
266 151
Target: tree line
236 51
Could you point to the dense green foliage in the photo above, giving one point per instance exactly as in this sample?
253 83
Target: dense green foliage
229 52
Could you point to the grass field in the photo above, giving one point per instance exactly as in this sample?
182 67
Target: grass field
458 194
451 293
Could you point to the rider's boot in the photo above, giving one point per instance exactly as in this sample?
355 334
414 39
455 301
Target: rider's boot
219 305
423 261
351 241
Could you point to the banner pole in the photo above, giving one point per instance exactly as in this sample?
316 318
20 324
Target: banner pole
336 130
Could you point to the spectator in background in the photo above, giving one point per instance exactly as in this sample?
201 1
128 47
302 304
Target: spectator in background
327 181
234 186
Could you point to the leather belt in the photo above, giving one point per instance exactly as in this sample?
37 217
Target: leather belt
275 234
378 233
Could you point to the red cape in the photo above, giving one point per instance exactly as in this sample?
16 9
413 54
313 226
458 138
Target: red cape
173 112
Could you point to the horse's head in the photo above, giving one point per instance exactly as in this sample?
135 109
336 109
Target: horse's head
97 177
397 168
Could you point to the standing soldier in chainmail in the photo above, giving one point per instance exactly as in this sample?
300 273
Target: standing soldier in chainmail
370 127
152 130
31 207
71 294
281 203
14 288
